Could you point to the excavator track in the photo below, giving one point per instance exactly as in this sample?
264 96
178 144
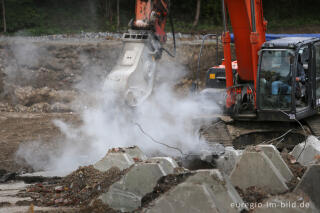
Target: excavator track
240 134
314 124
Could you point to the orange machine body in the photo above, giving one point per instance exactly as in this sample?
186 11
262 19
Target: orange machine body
247 41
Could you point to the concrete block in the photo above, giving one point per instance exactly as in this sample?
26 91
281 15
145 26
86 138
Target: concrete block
117 159
310 184
309 151
287 203
168 164
256 169
126 194
122 158
226 162
275 157
135 153
205 191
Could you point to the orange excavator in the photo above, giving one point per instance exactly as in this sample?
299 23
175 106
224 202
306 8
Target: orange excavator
277 80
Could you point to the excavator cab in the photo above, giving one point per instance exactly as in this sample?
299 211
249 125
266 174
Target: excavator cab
288 79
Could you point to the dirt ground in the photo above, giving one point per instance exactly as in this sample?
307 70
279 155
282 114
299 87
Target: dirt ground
17 128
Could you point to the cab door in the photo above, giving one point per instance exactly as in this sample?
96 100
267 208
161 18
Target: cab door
317 73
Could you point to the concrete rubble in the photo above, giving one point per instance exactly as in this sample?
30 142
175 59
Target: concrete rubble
310 184
256 169
307 152
275 157
126 194
226 162
126 180
168 164
287 203
205 191
122 158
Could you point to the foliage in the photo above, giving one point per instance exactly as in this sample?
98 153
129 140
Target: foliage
36 17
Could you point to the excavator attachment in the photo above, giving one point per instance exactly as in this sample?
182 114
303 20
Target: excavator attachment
133 76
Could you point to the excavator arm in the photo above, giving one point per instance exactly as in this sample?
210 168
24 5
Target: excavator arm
249 28
152 15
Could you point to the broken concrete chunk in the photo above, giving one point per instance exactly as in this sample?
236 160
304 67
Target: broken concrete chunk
275 157
206 191
215 149
184 198
135 153
256 169
308 152
226 162
119 159
126 194
287 203
168 164
122 158
310 184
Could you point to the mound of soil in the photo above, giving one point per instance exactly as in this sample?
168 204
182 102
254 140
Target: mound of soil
296 168
164 184
76 189
252 194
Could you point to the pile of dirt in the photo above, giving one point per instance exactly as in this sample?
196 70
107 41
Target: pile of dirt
296 168
76 189
253 194
164 184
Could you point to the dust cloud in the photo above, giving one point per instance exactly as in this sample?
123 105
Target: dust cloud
166 117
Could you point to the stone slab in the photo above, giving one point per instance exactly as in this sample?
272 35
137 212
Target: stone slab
310 184
307 153
275 157
256 169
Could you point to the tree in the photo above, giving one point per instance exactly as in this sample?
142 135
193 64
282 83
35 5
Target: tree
196 18
4 17
118 14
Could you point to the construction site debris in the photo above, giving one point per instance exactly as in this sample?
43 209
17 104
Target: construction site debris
165 184
76 189
205 191
274 155
256 169
121 158
286 203
226 162
310 184
307 152
253 194
127 193
168 164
